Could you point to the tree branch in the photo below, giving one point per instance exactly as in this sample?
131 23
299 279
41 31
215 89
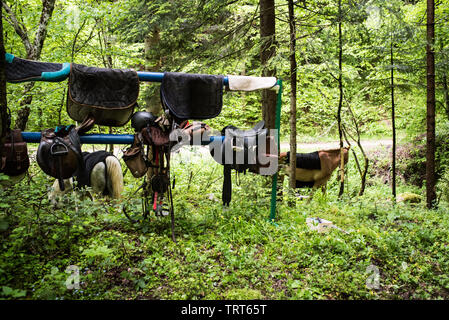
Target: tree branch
20 30
47 11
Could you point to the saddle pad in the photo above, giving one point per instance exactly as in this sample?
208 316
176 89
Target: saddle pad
192 96
22 70
248 83
82 175
307 160
108 94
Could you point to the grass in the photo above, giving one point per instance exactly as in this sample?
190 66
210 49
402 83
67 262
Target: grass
224 254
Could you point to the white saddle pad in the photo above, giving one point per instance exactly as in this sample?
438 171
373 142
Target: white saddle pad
248 83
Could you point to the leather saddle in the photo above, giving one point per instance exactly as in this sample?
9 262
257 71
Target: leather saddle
238 151
59 153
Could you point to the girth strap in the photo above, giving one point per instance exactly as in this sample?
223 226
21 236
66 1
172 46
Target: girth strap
227 185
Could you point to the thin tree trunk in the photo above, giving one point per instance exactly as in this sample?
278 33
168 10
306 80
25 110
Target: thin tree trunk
430 153
3 100
340 103
293 81
393 123
268 51
107 59
153 63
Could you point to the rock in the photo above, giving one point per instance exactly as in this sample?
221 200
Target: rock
409 197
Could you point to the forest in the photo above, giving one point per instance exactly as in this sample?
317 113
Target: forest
371 75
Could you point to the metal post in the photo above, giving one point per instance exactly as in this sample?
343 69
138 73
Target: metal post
275 177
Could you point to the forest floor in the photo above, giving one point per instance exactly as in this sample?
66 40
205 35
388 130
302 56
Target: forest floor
380 250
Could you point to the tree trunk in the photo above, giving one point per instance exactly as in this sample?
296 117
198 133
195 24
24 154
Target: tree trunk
153 63
446 95
340 102
393 124
33 51
268 50
3 101
430 153
293 82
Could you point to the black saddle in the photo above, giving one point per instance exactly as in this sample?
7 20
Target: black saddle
238 151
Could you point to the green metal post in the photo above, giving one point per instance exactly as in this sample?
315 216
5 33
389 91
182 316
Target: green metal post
278 127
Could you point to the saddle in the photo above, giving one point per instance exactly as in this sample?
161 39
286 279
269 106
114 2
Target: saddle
109 95
238 151
14 158
91 159
59 153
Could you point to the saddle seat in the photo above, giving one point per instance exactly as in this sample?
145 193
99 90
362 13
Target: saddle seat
243 144
236 132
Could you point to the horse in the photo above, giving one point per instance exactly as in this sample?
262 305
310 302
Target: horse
313 170
103 174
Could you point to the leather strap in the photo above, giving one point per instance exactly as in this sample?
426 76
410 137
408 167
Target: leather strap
227 185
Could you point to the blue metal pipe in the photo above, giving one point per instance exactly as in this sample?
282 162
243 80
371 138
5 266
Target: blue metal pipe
94 138
65 71
158 76
35 137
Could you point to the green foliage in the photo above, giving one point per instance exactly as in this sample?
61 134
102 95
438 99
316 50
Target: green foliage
237 253
231 254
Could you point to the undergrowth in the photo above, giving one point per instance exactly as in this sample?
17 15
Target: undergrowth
223 254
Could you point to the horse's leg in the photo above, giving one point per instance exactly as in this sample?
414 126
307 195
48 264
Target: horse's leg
311 194
320 183
55 194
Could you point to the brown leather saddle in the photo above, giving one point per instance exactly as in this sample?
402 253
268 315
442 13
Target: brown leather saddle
59 153
14 158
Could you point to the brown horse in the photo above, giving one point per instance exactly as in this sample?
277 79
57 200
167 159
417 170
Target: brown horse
314 169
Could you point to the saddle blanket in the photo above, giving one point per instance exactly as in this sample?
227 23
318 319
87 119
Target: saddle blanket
307 160
90 160
192 96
